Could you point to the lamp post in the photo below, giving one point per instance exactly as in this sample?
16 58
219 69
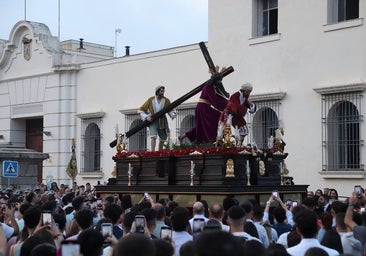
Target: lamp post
117 31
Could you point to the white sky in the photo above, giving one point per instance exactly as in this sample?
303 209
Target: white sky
146 25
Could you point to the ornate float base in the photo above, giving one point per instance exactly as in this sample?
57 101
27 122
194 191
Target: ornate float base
170 176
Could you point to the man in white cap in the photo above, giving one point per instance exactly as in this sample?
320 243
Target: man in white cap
234 113
158 127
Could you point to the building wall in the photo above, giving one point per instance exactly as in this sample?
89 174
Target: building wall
307 53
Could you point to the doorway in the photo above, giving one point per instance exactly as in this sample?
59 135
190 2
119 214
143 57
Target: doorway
34 140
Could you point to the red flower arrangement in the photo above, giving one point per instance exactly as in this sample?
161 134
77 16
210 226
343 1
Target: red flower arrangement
183 152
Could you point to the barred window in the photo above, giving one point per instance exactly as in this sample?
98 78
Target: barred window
341 120
137 141
91 151
90 142
265 123
185 120
343 137
265 120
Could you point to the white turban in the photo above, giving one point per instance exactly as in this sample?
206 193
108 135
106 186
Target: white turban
157 89
247 87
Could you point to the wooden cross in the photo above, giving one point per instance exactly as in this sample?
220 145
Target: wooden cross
180 100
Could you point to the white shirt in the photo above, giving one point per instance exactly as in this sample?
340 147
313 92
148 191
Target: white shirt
197 216
225 227
274 235
158 105
350 244
282 239
306 243
20 224
179 238
246 236
8 231
262 233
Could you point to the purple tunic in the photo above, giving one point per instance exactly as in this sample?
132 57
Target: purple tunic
206 117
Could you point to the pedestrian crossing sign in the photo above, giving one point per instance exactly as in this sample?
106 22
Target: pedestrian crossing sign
10 169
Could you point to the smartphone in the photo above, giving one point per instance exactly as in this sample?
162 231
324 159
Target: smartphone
146 195
294 203
46 217
289 202
70 248
358 190
99 204
165 232
115 198
275 193
197 227
140 224
107 229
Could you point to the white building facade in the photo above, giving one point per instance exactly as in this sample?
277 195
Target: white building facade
305 59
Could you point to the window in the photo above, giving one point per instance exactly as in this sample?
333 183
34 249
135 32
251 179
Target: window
265 120
137 141
343 137
342 10
265 123
341 128
267 17
341 131
91 149
90 142
185 120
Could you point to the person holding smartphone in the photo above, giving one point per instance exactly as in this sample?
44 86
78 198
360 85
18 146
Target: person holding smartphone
150 217
114 212
139 226
13 228
160 217
284 213
91 242
277 198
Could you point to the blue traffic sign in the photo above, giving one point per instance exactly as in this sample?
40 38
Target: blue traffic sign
10 169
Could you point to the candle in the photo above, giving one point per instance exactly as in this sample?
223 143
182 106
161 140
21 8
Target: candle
129 169
116 128
281 168
192 168
248 167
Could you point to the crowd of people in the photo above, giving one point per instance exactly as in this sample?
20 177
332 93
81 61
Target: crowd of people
63 220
